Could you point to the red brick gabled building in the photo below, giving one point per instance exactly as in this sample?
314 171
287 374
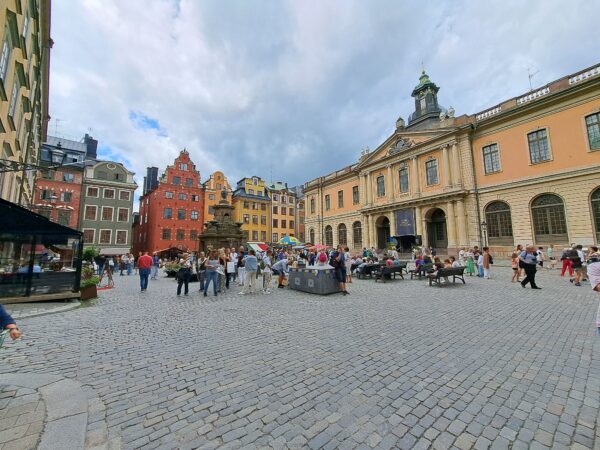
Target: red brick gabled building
172 214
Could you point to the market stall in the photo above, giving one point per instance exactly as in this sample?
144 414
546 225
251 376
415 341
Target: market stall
313 279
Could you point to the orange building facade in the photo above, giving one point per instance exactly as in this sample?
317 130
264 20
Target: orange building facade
524 171
283 211
213 187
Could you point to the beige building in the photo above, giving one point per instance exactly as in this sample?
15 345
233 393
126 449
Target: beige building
24 78
524 171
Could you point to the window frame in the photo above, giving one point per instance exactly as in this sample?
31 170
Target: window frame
85 210
327 202
404 170
117 237
121 192
109 190
355 195
93 230
437 174
380 185
166 234
119 214
340 198
548 146
494 148
100 236
112 213
164 214
587 130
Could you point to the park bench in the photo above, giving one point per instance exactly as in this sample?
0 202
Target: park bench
421 271
367 271
386 273
454 272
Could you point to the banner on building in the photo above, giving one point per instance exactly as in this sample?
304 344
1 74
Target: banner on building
405 222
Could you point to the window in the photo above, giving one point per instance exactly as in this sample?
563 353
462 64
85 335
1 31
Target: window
595 198
255 220
255 181
45 213
327 202
251 191
246 205
107 213
291 211
124 195
283 224
263 220
283 199
491 158
121 237
538 146
291 200
4 58
180 236
329 236
189 182
549 222
255 235
13 99
193 235
311 235
340 199
263 236
246 218
211 209
196 198
166 234
263 206
259 193
168 213
219 186
403 179
380 186
105 236
292 224
183 166
168 194
592 123
66 197
357 234
182 196
499 224
64 217
92 192
342 238
89 236
102 175
275 223
431 172
211 196
117 176
176 181
255 206
181 214
46 194
355 195
194 215
90 212
275 237
275 210
48 174
68 177
283 210
312 206
123 215
275 197
109 193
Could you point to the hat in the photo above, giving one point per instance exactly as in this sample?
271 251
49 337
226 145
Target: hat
593 271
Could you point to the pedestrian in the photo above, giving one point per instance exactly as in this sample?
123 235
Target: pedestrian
201 264
184 274
528 262
541 257
211 266
348 261
280 268
233 254
594 276
480 265
470 263
155 264
241 269
551 257
145 264
251 265
487 262
123 265
8 323
566 263
267 271
514 263
111 265
577 265
338 262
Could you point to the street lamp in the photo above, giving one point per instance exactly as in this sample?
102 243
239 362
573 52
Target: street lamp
484 233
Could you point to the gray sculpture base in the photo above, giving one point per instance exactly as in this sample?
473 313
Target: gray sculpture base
313 280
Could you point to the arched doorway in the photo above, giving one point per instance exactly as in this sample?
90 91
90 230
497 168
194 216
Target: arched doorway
437 234
342 235
383 232
311 235
595 198
549 220
329 236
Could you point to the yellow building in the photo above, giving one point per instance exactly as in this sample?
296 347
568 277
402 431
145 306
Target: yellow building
24 77
213 187
524 171
252 207
283 211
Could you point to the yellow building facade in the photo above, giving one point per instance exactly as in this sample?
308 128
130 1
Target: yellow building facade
213 187
252 207
24 78
283 211
448 182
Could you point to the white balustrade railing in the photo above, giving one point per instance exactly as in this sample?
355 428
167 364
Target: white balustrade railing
533 95
585 75
488 113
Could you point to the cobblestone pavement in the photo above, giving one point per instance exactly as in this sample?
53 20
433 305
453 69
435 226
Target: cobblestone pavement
394 365
22 414
23 310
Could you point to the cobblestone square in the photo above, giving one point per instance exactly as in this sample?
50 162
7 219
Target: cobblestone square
394 365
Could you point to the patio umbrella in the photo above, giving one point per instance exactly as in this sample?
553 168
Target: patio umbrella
288 240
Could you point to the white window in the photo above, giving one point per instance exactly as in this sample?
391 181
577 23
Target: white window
107 213
90 212
123 215
4 58
89 235
183 166
13 99
124 195
26 26
491 158
121 237
109 193
92 191
194 215
105 236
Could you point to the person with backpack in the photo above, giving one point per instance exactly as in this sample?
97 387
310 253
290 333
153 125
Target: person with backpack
338 262
487 262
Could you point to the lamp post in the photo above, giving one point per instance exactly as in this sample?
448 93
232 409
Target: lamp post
484 234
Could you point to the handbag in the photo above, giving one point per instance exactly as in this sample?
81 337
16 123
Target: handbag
220 271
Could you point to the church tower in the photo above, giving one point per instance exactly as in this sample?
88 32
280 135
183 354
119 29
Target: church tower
427 109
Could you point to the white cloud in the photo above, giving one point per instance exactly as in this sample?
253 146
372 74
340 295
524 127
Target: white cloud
295 88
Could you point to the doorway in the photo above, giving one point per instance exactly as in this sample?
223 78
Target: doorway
437 233
383 232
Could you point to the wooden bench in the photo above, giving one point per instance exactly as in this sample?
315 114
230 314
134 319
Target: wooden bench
386 273
367 270
454 272
421 271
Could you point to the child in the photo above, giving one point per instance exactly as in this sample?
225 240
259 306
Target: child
480 265
515 267
470 264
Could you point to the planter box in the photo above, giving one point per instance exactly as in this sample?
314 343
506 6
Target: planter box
88 292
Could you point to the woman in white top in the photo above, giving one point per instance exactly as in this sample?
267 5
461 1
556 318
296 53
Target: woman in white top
348 263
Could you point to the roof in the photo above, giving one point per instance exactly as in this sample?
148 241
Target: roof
241 193
66 144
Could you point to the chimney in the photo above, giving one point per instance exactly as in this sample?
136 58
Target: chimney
91 145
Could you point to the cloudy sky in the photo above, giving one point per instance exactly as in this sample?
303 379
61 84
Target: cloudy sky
291 90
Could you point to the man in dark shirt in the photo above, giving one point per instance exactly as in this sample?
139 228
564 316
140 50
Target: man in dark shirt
528 261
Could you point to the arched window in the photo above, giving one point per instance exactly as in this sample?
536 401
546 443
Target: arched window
549 223
357 234
329 236
596 213
342 237
311 235
499 224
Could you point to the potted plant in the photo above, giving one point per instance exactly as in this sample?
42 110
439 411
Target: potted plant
171 269
88 283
